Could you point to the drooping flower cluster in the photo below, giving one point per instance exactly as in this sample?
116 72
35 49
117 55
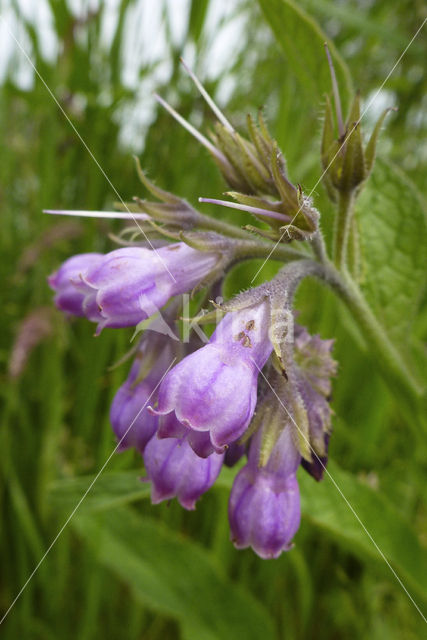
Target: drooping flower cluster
215 404
256 388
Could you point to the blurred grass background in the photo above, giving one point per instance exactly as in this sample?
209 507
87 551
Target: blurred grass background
102 60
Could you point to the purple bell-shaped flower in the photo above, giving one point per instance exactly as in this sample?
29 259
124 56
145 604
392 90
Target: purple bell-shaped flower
128 285
67 297
176 471
264 506
132 423
214 389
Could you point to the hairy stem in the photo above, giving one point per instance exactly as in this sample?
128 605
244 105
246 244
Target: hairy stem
392 366
353 254
389 361
268 250
319 247
342 229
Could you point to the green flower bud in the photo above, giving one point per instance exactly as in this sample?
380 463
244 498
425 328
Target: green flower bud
346 162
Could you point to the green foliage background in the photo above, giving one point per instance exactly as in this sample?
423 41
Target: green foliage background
122 568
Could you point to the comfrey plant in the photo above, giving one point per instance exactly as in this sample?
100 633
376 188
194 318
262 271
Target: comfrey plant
259 388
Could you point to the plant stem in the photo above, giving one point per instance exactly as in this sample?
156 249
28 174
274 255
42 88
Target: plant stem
353 253
389 361
269 250
342 229
319 247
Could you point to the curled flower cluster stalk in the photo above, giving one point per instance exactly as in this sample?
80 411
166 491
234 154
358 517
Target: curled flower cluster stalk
256 393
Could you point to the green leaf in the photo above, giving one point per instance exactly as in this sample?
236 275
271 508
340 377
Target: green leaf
197 18
111 489
173 576
323 504
393 234
108 491
302 41
332 505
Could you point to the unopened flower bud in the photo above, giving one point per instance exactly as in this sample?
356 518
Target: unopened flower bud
347 163
264 512
175 471
67 297
314 370
132 423
129 285
264 505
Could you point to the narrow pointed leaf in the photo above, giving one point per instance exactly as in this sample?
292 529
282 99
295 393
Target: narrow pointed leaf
302 41
174 576
323 505
157 192
372 144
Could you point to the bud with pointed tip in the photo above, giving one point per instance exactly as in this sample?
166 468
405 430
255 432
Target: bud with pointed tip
255 170
347 163
264 188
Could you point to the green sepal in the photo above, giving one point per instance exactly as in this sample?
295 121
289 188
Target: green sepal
255 201
260 172
264 233
329 152
346 163
330 189
353 166
302 428
233 151
161 194
286 191
130 207
179 214
269 141
270 432
262 147
209 317
166 233
372 143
